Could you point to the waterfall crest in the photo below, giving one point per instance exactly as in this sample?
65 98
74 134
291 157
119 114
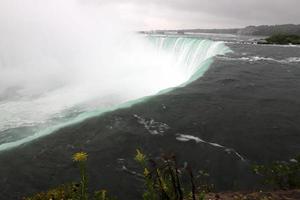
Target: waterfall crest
141 67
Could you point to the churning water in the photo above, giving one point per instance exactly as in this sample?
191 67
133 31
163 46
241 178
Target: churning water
139 67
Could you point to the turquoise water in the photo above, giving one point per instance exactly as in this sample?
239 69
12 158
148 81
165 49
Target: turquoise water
183 60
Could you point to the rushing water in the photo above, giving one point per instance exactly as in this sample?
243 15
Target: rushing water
149 65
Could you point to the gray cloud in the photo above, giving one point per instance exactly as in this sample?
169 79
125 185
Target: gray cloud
214 13
156 14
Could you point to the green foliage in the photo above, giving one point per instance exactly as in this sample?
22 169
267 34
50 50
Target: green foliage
202 179
73 191
283 39
103 195
282 175
63 192
202 196
80 158
165 180
83 192
69 192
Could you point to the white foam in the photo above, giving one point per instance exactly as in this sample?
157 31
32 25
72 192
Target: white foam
186 138
142 66
261 59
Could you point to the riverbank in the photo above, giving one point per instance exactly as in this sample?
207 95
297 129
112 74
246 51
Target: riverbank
282 39
273 195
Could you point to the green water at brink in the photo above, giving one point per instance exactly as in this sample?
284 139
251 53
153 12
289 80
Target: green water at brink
192 55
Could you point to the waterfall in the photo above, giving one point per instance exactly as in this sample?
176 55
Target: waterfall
139 67
189 56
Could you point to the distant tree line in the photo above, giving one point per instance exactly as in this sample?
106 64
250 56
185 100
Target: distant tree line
264 30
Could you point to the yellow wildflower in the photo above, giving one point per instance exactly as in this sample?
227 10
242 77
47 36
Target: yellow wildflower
140 157
164 185
80 157
103 194
146 172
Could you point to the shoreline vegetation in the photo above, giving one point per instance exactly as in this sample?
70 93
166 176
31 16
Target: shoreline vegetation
263 30
286 34
282 39
165 179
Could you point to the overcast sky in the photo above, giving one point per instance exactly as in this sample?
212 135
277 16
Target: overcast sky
156 14
205 13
